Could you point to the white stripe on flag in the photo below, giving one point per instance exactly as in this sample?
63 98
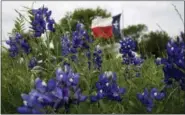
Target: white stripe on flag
101 22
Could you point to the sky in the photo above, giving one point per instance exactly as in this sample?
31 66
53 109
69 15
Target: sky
150 13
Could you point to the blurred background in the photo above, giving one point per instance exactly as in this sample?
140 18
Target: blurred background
142 20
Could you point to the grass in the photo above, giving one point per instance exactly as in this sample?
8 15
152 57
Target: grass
17 78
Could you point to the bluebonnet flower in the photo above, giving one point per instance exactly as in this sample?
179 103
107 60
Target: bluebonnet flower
127 49
127 46
66 45
137 61
57 93
42 21
97 57
31 104
155 94
107 87
25 46
147 98
18 45
80 37
88 54
129 55
174 63
37 98
13 50
32 63
67 77
80 41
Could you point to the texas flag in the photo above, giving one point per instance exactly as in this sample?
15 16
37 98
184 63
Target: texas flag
106 27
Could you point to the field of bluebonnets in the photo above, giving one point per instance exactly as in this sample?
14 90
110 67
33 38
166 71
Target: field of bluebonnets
76 75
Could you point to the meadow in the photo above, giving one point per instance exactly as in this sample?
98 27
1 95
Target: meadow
76 64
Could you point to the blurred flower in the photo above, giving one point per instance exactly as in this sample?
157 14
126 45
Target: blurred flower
97 57
56 93
32 63
80 37
25 46
80 41
40 20
18 45
147 98
107 87
78 96
157 95
67 77
130 57
127 49
66 44
31 105
174 63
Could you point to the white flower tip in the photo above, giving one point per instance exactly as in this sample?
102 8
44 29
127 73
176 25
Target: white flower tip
44 83
115 94
61 76
155 94
158 58
71 80
109 74
40 99
51 45
59 69
40 61
101 91
25 103
37 79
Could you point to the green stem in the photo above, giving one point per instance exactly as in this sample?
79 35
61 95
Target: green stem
169 96
47 40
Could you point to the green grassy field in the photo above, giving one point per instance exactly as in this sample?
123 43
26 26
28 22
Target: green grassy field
17 78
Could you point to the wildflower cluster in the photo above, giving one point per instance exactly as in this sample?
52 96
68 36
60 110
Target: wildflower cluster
42 21
97 58
174 64
128 48
80 40
58 92
130 57
18 45
80 37
147 98
107 87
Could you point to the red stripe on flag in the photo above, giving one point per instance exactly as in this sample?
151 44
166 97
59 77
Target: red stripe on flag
102 32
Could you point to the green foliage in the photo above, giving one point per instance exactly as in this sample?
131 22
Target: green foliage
16 79
19 25
135 31
154 43
85 16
